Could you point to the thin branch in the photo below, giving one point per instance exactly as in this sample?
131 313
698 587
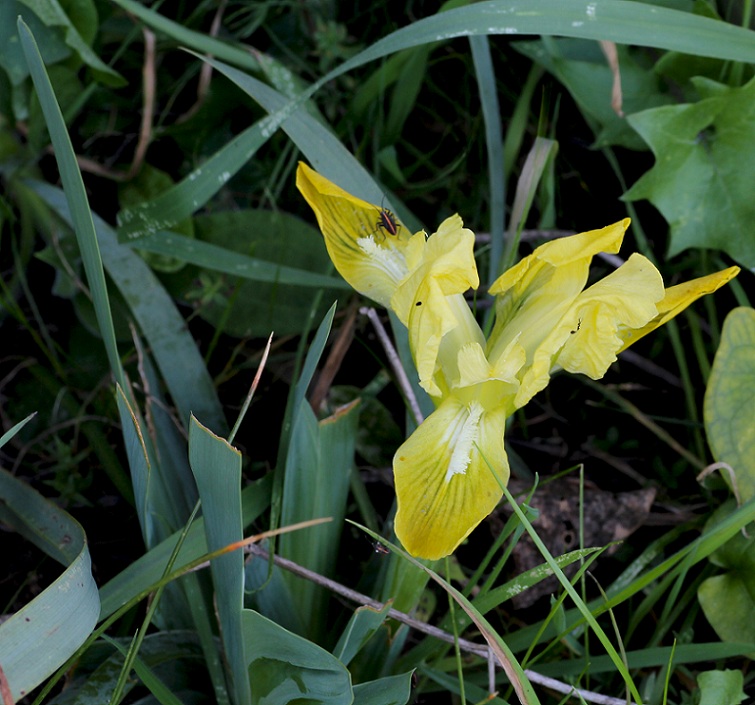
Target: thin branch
481 650
395 362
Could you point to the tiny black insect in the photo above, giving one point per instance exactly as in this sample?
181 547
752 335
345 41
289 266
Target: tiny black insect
388 222
579 325
379 548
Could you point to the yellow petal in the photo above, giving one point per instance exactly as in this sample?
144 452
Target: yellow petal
564 251
534 296
677 298
447 256
625 299
365 254
444 487
430 303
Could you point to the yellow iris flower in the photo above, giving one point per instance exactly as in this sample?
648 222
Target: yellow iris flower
545 321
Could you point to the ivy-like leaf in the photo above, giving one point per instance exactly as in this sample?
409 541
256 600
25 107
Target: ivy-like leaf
704 169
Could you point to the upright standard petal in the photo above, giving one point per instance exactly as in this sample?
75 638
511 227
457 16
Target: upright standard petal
444 486
430 302
367 256
535 302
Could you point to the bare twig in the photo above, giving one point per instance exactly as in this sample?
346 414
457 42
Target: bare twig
481 650
395 362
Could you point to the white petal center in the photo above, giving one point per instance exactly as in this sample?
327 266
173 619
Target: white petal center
463 439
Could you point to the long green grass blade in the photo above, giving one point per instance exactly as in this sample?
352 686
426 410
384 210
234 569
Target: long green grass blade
205 254
616 20
619 21
15 429
41 636
491 115
173 348
654 657
81 215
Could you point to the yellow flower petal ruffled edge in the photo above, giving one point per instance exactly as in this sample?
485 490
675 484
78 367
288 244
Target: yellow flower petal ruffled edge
364 253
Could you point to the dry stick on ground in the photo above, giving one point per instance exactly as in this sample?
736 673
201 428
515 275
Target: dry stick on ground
470 647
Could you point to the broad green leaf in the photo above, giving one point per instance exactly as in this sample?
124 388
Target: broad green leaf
721 687
45 633
286 668
728 600
704 169
217 470
583 69
730 400
391 690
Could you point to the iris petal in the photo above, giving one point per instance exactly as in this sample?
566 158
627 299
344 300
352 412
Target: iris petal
676 299
625 299
372 261
444 486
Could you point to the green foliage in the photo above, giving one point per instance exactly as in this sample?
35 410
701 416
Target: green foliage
64 614
582 67
425 114
728 600
721 687
704 165
730 400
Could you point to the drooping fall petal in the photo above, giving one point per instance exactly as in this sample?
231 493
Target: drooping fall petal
535 301
444 486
